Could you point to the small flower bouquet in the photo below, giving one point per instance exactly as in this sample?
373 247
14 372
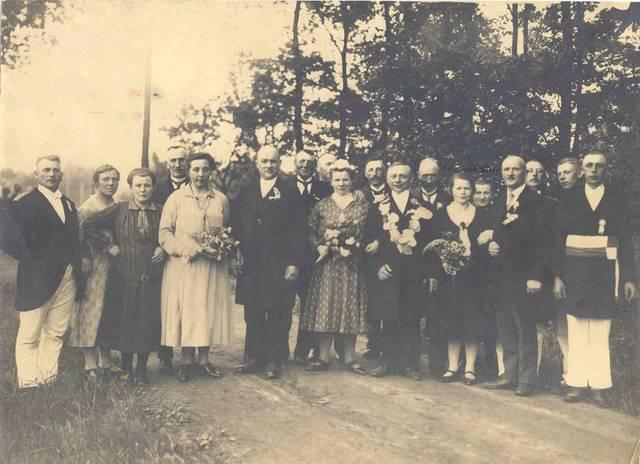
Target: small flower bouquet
451 252
218 244
339 243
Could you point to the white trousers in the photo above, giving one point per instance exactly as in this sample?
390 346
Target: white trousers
589 360
39 339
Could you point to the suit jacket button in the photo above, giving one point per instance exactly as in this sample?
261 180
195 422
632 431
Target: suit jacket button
259 221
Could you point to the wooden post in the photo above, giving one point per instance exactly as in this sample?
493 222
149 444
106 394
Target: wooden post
147 111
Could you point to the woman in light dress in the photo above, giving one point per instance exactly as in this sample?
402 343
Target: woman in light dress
196 291
88 311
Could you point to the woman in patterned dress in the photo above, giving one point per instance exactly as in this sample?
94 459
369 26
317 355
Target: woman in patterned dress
196 291
130 320
88 311
337 300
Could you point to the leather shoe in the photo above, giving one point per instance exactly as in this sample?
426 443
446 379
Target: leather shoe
212 371
184 372
317 366
452 377
248 367
500 384
524 389
598 398
470 378
574 395
273 372
354 368
166 368
412 373
380 371
371 355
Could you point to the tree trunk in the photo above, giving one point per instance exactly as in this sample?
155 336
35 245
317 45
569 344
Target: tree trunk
406 120
299 76
144 161
384 105
564 123
514 23
346 29
526 16
579 57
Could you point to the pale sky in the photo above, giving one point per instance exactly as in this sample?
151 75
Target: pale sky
83 97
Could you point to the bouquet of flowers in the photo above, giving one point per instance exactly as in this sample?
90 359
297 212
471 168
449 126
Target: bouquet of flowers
218 244
339 243
451 252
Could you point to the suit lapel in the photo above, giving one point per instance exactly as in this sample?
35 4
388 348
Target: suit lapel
47 208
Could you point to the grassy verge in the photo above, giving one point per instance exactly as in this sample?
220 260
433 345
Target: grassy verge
68 422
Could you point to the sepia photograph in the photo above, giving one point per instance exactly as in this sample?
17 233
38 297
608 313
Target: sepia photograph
341 232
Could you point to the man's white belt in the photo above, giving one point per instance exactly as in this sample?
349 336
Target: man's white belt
595 246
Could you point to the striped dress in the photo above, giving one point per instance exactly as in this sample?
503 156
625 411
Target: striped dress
131 316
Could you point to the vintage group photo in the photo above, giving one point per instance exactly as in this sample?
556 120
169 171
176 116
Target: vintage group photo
324 232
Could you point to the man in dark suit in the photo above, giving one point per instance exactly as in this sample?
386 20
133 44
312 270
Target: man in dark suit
514 242
310 190
176 162
548 313
399 225
375 191
267 219
47 250
433 197
593 265
483 200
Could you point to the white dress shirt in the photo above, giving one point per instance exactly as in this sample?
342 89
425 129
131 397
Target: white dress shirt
401 199
55 198
304 184
513 195
378 194
594 195
429 197
266 186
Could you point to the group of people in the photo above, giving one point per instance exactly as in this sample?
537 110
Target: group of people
131 276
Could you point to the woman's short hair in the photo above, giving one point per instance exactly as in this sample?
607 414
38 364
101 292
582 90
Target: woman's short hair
461 176
342 165
201 156
141 172
101 170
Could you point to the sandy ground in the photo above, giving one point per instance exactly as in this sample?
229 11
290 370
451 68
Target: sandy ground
338 417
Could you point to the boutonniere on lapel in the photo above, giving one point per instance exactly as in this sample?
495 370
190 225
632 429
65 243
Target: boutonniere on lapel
512 214
602 223
405 239
414 202
275 196
69 204
439 205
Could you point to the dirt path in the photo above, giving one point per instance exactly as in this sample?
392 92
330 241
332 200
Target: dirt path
336 417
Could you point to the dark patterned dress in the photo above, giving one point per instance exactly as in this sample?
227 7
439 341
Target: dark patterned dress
337 298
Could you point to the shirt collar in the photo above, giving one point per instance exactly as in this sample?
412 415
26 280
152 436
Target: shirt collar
401 199
516 192
134 206
189 193
377 190
590 190
178 181
51 196
304 181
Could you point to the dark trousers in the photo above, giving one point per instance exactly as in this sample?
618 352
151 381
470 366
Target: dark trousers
165 353
517 332
401 344
267 334
490 341
374 336
305 341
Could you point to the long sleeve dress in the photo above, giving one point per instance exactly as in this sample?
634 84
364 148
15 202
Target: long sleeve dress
88 311
197 305
337 297
130 319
